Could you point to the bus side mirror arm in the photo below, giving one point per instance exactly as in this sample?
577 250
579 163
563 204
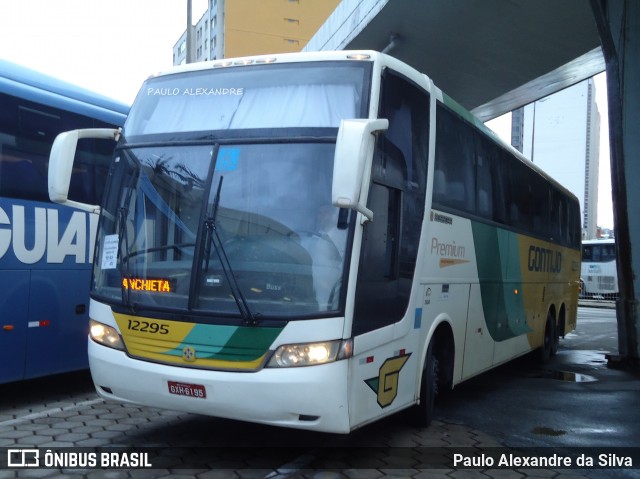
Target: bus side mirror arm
352 162
61 158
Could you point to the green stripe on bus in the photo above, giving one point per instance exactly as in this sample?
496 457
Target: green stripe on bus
228 343
497 257
248 343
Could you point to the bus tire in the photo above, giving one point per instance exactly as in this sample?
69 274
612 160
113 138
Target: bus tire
555 339
428 389
550 341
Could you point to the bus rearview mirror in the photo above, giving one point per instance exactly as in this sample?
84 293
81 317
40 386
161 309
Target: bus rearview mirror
61 158
352 159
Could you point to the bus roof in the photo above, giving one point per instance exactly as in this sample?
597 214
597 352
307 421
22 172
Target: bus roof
28 84
274 58
599 241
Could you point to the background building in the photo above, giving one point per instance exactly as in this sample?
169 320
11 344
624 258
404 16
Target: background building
561 134
235 28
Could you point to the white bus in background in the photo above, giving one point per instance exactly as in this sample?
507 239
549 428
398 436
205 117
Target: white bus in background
317 240
599 277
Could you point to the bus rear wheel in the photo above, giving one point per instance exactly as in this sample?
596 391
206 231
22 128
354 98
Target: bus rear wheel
551 339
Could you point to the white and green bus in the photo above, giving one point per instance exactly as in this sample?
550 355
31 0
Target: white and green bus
599 278
316 240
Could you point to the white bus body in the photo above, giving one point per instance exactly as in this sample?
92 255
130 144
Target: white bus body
599 276
318 240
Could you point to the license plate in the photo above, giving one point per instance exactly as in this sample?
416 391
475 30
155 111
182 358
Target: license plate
186 389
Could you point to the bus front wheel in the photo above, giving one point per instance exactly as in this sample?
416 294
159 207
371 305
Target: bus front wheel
428 388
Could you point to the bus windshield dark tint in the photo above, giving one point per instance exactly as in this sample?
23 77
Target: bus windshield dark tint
599 253
277 239
267 96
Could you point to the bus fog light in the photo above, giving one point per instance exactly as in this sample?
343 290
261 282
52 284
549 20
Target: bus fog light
105 335
309 354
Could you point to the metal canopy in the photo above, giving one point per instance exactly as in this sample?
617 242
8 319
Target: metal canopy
490 55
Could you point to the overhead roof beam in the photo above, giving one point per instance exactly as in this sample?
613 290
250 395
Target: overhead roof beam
580 69
492 56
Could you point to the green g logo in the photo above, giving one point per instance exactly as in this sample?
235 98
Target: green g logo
386 384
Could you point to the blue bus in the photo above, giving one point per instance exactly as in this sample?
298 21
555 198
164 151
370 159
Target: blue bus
46 249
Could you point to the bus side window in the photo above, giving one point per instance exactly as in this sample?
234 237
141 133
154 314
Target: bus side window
499 180
484 201
455 152
24 149
542 208
26 134
575 232
522 197
439 186
20 176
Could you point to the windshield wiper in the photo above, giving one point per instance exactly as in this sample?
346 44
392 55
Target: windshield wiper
124 257
212 237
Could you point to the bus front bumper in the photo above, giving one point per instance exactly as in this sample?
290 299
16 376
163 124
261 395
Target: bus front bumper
313 397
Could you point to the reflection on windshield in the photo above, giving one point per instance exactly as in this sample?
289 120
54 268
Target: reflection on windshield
277 247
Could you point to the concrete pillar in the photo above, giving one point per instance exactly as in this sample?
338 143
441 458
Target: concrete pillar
618 23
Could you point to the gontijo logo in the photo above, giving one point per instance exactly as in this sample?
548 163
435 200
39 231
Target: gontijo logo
544 260
42 239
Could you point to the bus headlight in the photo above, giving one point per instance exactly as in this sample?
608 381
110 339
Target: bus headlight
310 354
105 335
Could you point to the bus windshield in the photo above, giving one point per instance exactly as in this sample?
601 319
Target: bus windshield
257 233
599 253
231 224
289 95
